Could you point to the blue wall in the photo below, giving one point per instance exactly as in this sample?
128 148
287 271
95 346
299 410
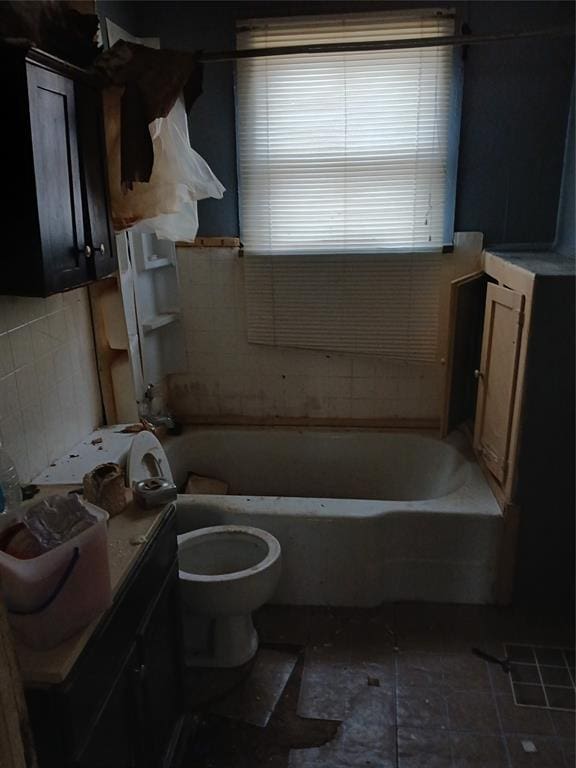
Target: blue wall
515 107
565 230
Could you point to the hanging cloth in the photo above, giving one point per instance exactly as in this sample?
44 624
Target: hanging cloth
151 81
167 205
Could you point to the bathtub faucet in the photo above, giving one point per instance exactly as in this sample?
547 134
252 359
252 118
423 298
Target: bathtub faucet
156 419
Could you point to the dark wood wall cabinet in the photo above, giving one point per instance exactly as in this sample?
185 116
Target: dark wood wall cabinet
122 706
55 205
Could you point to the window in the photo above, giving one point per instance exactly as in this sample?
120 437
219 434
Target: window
345 152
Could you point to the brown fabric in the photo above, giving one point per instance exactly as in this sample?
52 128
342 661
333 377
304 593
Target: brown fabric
152 80
53 26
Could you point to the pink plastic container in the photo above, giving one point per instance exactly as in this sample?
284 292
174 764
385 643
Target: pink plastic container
52 596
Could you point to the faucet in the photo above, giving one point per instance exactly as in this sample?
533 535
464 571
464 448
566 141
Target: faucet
156 420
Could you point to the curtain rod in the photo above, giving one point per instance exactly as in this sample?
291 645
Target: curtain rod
379 45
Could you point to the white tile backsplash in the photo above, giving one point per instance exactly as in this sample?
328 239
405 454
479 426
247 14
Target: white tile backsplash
49 390
226 376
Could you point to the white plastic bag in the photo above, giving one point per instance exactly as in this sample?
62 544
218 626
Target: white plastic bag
166 205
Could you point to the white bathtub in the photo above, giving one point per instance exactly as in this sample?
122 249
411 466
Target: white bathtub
362 516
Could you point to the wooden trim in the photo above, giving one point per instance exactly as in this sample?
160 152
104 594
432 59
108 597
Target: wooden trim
104 355
517 278
495 487
289 421
22 51
507 274
451 329
83 6
211 242
506 566
498 296
16 744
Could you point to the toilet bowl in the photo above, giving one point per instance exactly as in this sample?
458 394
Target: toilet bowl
226 573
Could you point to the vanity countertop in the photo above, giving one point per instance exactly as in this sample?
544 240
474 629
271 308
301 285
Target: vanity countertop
53 665
541 263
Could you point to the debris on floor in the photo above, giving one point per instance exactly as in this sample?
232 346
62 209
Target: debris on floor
332 677
254 700
396 686
198 484
365 738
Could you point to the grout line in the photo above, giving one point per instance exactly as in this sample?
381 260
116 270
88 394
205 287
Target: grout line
395 651
497 706
541 678
396 726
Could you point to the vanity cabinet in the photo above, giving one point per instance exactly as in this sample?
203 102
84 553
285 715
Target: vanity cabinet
57 233
122 704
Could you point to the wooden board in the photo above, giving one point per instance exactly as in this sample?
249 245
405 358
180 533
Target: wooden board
104 355
211 242
16 745
518 279
498 377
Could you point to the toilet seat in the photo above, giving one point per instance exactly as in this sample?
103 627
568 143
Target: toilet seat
146 459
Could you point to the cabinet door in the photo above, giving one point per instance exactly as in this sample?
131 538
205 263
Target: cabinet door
467 303
161 678
498 377
99 233
113 741
53 128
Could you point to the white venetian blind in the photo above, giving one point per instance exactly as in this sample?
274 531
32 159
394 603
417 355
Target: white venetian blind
381 305
344 152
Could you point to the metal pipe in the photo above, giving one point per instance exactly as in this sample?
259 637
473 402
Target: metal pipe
382 45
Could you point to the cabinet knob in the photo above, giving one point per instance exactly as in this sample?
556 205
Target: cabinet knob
100 248
478 374
87 251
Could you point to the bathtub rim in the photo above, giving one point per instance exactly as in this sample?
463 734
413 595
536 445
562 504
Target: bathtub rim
458 441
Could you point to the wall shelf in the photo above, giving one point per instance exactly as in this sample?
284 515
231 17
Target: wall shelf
158 262
155 291
159 321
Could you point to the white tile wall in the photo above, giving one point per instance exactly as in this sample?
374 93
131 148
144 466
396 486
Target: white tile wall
226 376
49 392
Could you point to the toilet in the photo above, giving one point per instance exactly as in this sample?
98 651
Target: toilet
226 573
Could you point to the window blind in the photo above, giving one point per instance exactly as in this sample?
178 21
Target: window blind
384 305
348 152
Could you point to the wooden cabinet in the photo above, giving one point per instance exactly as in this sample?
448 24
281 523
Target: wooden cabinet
160 674
524 423
112 742
57 228
498 377
100 235
122 704
510 380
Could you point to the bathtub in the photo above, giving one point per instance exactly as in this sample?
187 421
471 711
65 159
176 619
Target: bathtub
363 516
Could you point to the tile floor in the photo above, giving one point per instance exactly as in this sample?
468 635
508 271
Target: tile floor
394 687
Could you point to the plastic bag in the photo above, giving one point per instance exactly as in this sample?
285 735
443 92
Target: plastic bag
57 519
166 206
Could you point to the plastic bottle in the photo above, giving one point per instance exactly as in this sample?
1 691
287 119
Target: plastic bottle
10 491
